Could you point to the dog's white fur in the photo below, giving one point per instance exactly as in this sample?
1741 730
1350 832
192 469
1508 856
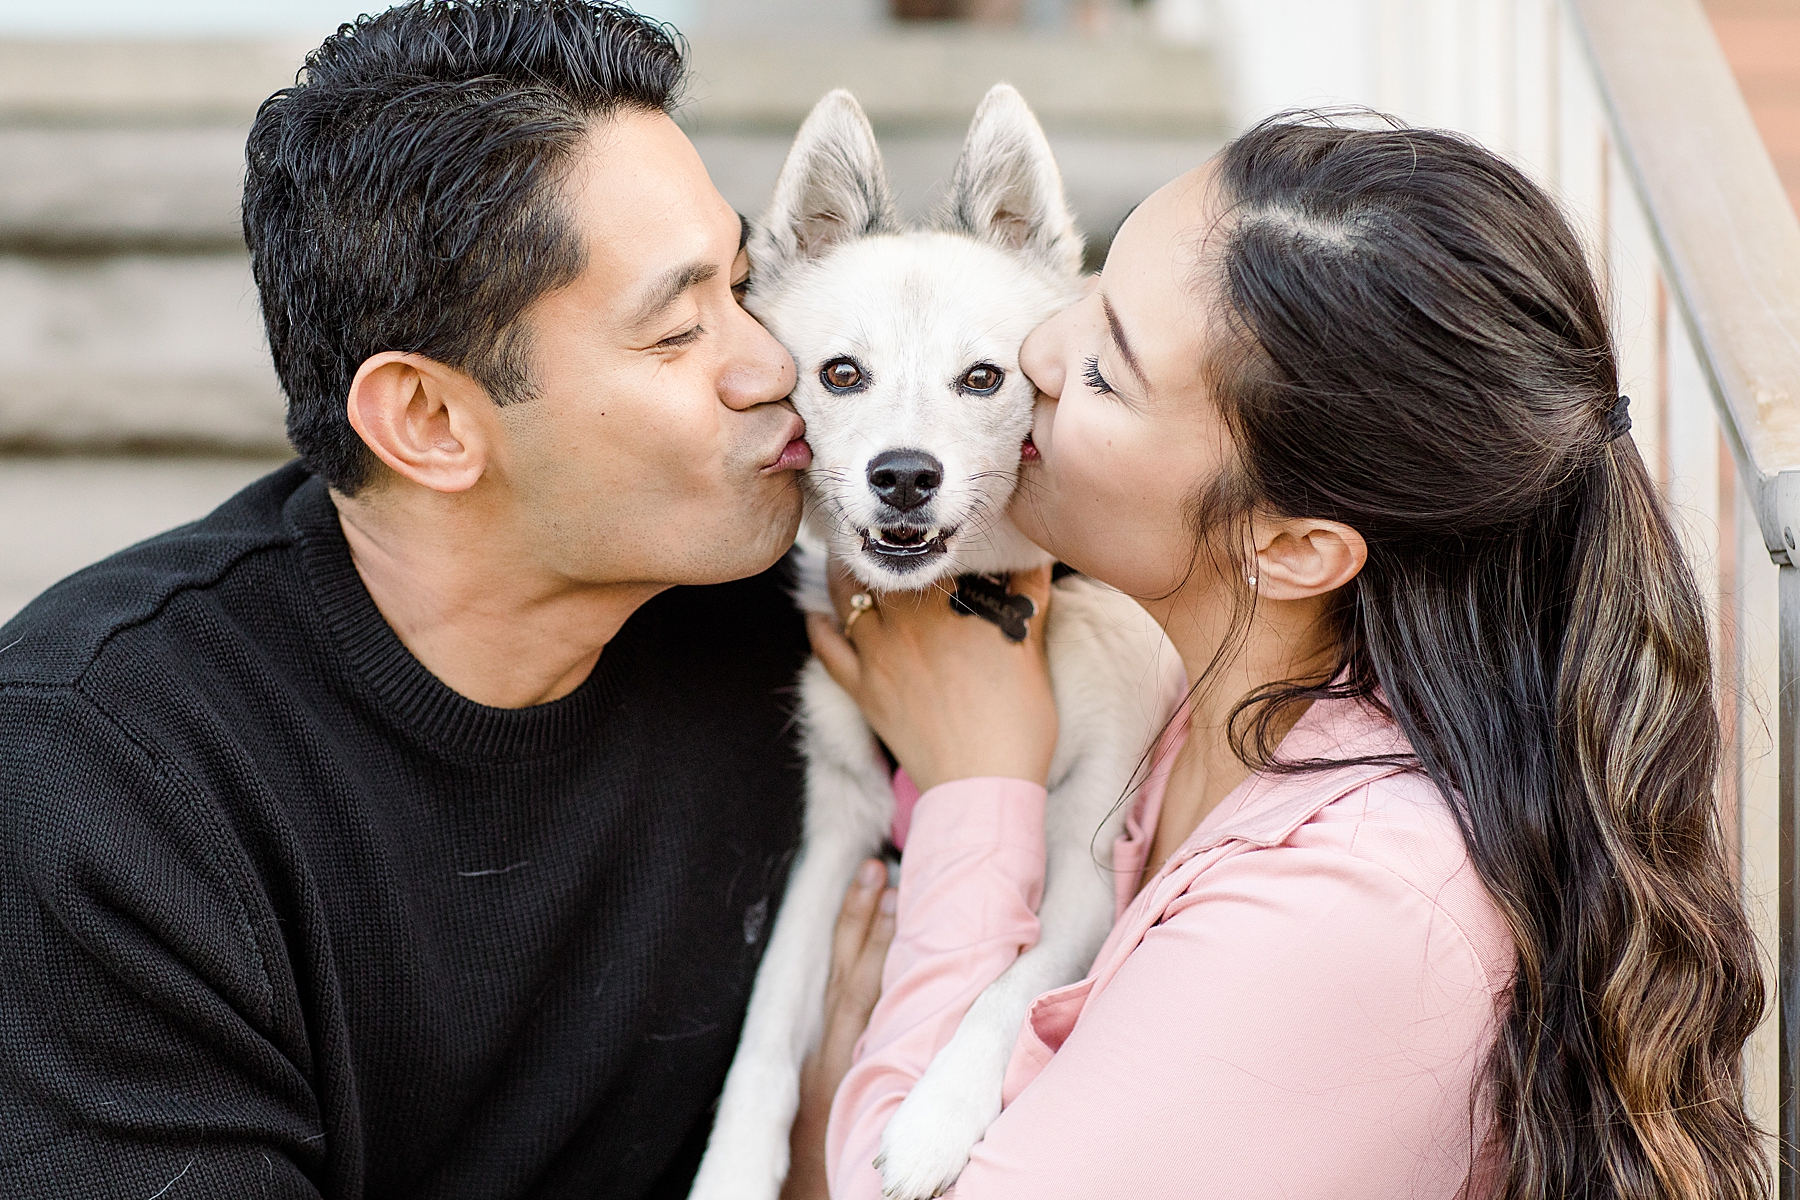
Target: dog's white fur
836 276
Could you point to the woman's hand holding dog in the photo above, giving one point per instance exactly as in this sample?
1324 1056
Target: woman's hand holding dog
950 696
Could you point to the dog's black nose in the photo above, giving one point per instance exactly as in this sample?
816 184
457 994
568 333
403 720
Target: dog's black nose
905 479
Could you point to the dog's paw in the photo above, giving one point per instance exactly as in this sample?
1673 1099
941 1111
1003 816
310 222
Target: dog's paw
926 1143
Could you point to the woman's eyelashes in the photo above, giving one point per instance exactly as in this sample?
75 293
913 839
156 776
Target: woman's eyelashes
1090 371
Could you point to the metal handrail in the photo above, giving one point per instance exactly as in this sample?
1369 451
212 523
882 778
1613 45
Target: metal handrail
1729 244
1727 233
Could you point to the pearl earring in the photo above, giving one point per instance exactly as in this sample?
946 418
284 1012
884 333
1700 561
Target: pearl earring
1252 580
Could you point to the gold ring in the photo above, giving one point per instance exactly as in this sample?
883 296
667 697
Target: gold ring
860 603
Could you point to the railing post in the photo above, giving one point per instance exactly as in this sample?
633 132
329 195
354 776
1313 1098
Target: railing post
1789 985
1786 496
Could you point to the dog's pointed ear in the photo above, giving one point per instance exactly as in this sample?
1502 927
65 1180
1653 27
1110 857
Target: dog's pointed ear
833 187
1007 188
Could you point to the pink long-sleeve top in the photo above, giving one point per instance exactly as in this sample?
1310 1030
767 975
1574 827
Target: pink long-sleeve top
1297 1004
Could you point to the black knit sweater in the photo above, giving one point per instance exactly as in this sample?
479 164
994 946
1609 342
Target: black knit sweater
281 915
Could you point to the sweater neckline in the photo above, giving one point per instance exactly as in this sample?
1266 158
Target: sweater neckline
411 697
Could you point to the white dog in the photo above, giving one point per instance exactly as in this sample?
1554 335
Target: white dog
907 344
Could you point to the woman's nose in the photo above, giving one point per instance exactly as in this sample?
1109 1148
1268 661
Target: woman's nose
1039 359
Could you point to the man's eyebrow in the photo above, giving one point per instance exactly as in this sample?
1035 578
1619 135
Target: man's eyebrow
743 232
670 287
1124 344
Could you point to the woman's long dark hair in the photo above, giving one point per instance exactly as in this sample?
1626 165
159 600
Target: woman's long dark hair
1416 346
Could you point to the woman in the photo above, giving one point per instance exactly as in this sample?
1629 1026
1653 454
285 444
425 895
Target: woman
1423 894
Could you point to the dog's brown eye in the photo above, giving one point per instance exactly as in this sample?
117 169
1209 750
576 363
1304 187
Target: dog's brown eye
982 378
841 374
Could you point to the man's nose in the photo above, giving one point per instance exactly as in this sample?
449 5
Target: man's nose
905 479
761 371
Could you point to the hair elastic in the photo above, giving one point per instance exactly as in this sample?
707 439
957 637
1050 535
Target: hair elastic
1618 420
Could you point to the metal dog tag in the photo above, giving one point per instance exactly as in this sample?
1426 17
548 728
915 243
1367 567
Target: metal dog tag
986 597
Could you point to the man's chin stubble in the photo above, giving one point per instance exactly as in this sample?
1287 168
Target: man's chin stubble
759 536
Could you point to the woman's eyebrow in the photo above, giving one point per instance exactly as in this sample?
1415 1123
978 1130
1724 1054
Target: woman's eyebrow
1123 343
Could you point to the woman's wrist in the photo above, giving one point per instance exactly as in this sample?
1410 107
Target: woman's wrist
964 756
984 781
950 776
944 751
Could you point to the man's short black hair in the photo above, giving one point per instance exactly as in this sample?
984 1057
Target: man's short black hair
402 195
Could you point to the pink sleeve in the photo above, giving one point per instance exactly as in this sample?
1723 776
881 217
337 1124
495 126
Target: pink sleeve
970 881
1302 1023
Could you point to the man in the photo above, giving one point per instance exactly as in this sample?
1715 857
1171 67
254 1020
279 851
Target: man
397 830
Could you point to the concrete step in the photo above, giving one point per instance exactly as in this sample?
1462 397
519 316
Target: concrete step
140 84
135 351
88 190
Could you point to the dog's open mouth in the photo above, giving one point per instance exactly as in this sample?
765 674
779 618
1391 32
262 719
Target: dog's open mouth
903 547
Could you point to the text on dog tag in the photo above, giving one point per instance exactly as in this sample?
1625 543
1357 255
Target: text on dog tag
986 597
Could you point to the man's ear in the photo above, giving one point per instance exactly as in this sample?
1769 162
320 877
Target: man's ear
1299 558
426 421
